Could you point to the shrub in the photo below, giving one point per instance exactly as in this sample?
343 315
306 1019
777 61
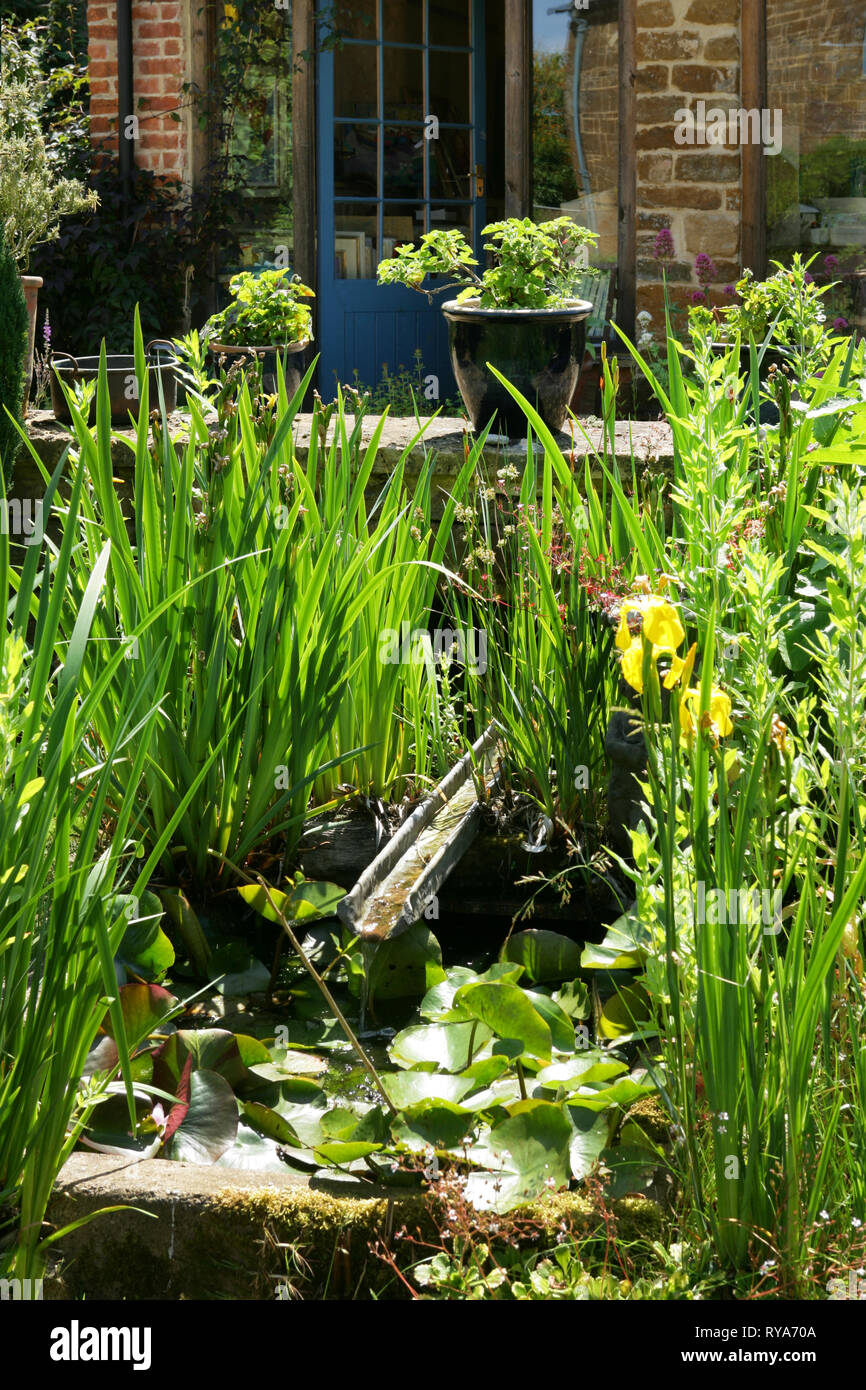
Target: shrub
13 353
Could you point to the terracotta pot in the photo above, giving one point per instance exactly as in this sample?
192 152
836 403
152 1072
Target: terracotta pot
31 285
539 351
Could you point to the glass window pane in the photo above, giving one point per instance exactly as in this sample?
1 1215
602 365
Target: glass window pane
450 164
404 161
450 87
452 217
355 19
403 21
575 120
355 242
356 81
403 70
356 160
449 22
401 223
816 184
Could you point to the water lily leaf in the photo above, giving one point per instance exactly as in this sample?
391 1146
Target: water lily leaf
145 948
406 966
252 1153
488 1069
505 1091
266 1121
438 1002
631 1169
507 1010
574 999
406 1088
560 1025
578 1071
342 1153
444 1045
433 1123
626 946
210 1123
339 1123
286 1062
623 1092
212 1049
545 955
144 1008
523 1156
590 1134
305 903
624 1012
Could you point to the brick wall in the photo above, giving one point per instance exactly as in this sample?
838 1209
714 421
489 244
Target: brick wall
159 65
686 49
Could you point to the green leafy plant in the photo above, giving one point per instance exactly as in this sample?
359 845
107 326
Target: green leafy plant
13 355
34 198
534 263
266 310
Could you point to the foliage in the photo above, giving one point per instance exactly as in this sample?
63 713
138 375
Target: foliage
13 357
265 310
534 263
553 178
34 197
59 923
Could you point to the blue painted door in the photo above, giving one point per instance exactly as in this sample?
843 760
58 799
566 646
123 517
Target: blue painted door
401 151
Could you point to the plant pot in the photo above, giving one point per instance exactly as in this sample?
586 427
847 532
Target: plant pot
31 285
768 413
122 382
294 370
539 351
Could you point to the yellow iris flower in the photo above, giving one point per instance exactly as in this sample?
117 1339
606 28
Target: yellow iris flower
660 625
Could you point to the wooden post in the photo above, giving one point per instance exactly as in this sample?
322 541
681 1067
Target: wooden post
627 230
753 165
304 140
518 95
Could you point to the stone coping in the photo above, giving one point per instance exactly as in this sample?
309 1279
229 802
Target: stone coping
199 1231
648 442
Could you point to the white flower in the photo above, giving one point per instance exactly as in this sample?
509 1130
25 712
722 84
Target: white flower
644 317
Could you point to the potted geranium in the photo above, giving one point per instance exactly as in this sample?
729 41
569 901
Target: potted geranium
268 313
33 198
520 316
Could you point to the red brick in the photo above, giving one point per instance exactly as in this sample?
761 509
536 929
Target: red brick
157 29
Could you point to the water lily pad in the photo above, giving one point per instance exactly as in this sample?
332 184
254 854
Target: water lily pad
590 1134
411 1087
341 1153
209 1124
145 949
507 1010
625 1012
437 1124
444 1045
545 955
252 1153
144 1008
305 903
626 946
406 966
579 1070
560 1025
523 1156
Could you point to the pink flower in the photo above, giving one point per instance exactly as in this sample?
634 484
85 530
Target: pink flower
731 291
831 264
705 269
840 324
663 247
698 297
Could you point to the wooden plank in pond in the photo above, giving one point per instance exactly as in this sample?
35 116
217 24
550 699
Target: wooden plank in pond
394 890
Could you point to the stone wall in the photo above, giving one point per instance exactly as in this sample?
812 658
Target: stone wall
686 49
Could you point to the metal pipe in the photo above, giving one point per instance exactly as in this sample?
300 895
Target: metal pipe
125 127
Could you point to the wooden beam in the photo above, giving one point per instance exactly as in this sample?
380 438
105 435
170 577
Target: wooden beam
304 139
518 97
627 231
753 167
